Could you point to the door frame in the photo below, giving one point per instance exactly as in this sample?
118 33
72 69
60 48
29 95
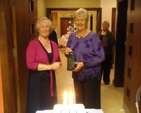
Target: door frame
98 20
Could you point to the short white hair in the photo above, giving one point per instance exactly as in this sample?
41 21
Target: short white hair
81 12
43 18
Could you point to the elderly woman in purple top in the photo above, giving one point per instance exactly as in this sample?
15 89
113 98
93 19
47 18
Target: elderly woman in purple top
42 59
89 54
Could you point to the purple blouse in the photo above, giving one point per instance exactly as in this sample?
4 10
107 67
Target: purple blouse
88 50
35 54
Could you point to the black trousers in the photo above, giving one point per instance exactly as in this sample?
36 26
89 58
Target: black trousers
88 93
106 67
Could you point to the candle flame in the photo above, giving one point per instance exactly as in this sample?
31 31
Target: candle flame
65 98
68 97
71 98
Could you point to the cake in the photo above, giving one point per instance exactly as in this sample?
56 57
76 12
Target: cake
69 108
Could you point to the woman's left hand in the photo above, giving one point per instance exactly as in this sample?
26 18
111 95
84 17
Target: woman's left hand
79 66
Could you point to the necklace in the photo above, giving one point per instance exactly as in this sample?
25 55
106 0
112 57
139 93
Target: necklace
82 35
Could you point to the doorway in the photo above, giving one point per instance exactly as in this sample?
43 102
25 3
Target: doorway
66 25
97 10
120 43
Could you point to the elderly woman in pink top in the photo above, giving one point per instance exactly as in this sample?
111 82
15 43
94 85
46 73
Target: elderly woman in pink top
42 59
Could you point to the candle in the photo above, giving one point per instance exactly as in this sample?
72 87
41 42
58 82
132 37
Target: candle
65 98
68 97
71 98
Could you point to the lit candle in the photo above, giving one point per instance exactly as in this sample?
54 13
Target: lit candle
71 98
65 98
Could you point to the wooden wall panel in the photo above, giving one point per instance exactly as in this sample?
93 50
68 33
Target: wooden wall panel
133 54
25 16
15 20
7 64
1 91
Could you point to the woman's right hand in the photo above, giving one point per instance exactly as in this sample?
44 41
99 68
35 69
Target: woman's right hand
68 50
56 65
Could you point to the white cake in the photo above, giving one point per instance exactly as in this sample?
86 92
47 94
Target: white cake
74 108
70 108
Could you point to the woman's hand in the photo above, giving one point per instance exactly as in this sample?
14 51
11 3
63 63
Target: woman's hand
68 50
79 66
56 65
62 42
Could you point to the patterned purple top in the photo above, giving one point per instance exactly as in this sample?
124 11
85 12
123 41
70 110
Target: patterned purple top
88 50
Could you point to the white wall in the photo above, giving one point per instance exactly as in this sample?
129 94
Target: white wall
107 6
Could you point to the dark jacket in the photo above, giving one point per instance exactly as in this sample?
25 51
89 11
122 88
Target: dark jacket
53 36
108 41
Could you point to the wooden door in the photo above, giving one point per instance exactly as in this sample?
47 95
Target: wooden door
1 91
17 20
7 76
65 23
132 76
113 31
113 21
25 18
120 43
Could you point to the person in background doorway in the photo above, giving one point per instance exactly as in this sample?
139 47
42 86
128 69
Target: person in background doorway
42 59
53 36
108 41
89 54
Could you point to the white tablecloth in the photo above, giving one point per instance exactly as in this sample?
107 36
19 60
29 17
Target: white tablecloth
87 111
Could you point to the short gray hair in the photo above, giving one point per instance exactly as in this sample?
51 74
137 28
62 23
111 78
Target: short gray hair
81 12
43 18
106 22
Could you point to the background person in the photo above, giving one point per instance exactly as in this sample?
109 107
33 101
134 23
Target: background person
42 59
53 36
89 53
108 42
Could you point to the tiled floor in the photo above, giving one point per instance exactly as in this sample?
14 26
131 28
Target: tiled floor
111 97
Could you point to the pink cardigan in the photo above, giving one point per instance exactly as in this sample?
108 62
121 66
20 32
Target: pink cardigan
35 54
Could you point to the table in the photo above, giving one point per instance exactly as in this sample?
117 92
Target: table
87 111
